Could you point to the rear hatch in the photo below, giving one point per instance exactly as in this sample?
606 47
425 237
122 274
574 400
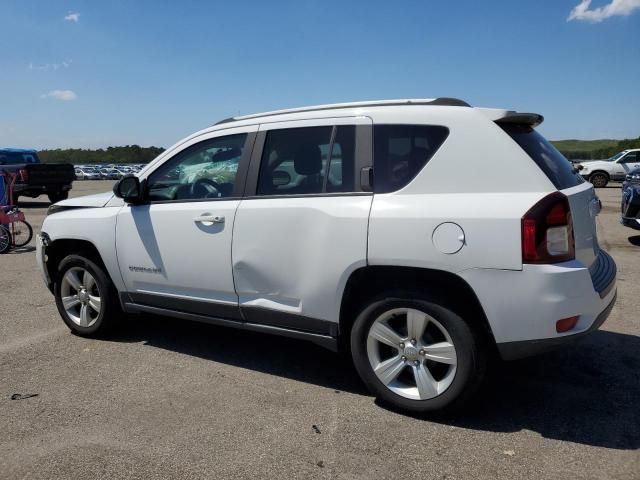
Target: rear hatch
583 201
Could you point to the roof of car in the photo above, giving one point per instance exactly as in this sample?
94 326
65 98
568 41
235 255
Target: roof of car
442 101
17 150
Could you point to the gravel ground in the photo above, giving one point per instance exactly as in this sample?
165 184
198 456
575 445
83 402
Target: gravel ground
171 399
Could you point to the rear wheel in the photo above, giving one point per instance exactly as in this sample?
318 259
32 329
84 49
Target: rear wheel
55 197
85 296
416 354
599 179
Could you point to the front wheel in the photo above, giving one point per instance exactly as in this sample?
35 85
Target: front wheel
22 233
416 354
599 180
85 296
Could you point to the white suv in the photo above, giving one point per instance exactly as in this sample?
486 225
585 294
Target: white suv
418 235
599 172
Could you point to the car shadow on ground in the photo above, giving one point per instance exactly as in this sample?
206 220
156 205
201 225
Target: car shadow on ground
33 204
634 240
587 393
20 250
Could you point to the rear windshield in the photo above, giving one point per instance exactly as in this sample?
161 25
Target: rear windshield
14 158
555 166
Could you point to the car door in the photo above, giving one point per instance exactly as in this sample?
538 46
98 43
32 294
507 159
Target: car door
174 251
302 227
626 164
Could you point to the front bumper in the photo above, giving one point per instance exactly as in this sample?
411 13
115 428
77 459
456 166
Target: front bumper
42 242
522 307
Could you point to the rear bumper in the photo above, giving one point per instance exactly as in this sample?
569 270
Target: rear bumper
522 307
36 190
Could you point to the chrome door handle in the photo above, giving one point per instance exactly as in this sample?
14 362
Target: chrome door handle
208 218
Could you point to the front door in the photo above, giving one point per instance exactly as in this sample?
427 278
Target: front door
626 164
174 251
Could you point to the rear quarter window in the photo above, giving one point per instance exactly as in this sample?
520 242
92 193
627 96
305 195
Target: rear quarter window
401 151
554 165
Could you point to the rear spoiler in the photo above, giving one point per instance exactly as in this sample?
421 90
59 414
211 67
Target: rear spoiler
512 117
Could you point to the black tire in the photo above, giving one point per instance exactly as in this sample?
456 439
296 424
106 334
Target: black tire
599 179
5 239
469 344
22 225
55 197
110 311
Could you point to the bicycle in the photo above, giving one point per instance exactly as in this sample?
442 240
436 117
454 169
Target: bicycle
15 231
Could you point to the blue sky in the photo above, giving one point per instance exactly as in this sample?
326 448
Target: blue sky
151 72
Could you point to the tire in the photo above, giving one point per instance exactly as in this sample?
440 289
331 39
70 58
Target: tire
5 239
72 284
23 233
445 383
55 197
599 180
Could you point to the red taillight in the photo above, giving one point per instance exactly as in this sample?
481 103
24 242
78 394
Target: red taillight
547 231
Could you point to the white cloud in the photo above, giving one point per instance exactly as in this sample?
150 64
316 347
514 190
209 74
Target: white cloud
596 15
64 95
50 66
72 17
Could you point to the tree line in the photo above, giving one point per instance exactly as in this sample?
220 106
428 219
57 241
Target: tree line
582 151
79 156
572 149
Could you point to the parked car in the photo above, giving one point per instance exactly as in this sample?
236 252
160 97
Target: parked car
34 178
600 172
109 174
630 207
342 225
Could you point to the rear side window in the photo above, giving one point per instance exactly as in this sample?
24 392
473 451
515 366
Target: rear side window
555 166
401 151
15 158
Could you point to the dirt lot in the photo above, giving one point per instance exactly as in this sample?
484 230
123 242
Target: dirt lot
169 399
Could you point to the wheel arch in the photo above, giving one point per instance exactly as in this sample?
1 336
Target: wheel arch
367 283
59 249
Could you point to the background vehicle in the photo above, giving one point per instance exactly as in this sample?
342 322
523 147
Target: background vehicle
600 172
630 207
34 178
342 225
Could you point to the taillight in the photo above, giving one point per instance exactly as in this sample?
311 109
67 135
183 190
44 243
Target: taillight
547 231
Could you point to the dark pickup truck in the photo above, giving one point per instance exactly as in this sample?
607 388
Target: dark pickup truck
35 178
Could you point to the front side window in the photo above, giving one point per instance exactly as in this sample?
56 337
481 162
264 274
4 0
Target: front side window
308 160
401 151
205 170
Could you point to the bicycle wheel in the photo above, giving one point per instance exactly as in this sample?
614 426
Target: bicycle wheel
5 239
22 233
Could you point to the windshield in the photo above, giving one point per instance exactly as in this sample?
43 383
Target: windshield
615 157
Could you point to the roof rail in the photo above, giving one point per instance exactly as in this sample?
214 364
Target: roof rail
443 101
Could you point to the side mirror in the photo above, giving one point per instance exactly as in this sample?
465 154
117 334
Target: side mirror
129 189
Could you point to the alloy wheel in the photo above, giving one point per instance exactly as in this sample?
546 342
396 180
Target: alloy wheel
80 296
411 353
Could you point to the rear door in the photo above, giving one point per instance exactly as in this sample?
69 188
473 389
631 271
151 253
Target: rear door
582 198
302 227
628 163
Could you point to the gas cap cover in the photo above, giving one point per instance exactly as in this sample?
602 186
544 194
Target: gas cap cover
448 237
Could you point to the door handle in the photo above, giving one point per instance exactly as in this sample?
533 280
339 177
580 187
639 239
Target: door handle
208 218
